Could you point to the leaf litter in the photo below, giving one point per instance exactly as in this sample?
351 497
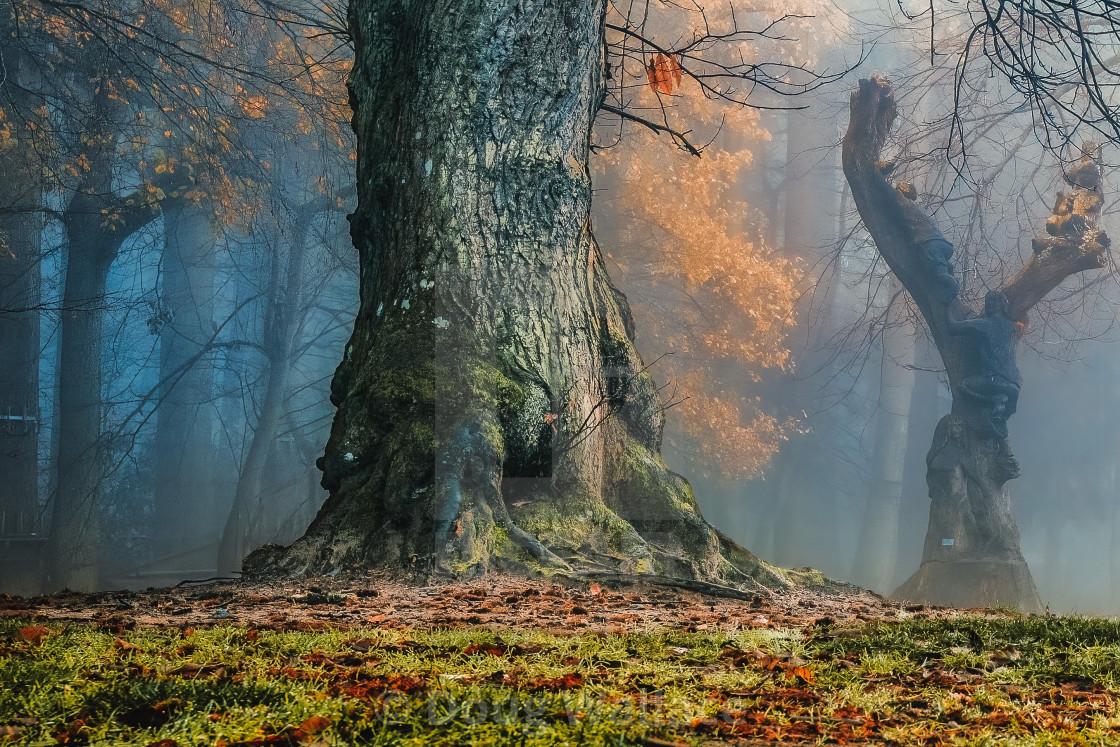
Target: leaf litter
339 661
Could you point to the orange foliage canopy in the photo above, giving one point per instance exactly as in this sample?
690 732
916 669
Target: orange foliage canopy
684 249
193 106
720 303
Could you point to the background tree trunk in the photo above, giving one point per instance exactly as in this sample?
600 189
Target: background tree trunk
21 228
799 528
76 517
492 410
186 503
97 222
20 234
244 530
877 548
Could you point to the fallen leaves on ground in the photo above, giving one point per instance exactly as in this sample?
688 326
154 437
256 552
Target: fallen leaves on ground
618 664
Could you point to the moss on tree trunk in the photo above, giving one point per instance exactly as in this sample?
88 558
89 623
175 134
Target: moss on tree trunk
492 410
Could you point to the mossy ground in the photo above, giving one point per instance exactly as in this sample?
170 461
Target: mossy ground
967 681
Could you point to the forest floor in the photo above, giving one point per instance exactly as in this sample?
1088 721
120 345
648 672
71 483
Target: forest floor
512 661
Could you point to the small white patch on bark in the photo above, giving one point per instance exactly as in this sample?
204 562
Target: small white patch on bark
440 322
404 304
380 308
428 167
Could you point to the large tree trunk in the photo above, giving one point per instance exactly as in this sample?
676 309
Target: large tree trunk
186 501
971 555
877 549
492 410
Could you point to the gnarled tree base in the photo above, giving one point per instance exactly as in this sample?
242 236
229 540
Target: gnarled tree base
658 533
971 555
493 413
973 583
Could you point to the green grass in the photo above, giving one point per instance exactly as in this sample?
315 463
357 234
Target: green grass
969 681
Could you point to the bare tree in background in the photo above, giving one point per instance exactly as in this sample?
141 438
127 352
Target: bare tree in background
972 553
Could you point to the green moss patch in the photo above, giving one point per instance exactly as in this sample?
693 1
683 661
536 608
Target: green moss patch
964 681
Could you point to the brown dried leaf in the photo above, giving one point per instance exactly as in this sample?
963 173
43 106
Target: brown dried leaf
34 634
663 73
314 724
803 673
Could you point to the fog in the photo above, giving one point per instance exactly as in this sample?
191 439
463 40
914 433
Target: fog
220 331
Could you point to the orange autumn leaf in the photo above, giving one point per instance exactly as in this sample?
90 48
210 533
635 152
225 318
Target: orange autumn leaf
803 673
675 70
663 73
564 682
34 634
314 724
255 107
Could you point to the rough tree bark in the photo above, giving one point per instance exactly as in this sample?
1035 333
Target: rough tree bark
971 554
492 410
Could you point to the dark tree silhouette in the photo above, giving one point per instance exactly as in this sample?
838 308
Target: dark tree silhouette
971 555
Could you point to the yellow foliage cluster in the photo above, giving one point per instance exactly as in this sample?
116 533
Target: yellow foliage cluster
679 236
255 107
701 290
714 436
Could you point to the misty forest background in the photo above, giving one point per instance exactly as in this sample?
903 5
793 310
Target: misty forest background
175 181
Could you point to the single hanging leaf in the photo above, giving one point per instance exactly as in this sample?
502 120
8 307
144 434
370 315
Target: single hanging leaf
663 73
651 74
